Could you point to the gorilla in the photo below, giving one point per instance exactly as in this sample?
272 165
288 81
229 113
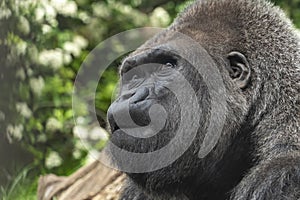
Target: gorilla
255 49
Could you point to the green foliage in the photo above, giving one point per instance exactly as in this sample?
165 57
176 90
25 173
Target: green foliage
292 8
42 47
21 187
40 56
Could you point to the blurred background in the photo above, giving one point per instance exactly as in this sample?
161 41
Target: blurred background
42 46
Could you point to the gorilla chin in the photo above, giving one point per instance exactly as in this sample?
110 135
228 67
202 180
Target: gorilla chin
257 156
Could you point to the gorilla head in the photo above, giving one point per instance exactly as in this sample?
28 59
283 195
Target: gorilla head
240 59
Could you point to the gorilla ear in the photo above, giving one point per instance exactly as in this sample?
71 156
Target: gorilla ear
239 69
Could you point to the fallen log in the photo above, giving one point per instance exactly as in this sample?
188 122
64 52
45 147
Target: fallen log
92 182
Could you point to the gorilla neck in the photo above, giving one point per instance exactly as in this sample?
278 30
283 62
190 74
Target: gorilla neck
276 106
210 182
223 176
281 140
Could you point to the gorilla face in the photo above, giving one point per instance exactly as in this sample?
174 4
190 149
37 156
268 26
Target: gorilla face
154 102
146 114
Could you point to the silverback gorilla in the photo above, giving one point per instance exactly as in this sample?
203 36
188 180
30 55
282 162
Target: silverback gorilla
257 156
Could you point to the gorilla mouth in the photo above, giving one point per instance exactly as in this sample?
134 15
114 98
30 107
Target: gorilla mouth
115 128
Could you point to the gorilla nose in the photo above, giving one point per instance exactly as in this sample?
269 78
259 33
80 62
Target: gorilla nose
130 111
140 95
139 107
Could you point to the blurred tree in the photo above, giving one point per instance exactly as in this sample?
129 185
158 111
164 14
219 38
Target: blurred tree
42 47
292 8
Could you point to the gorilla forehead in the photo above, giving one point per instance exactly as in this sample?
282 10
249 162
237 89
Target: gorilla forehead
224 25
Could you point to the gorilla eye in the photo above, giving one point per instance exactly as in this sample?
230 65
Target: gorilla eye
166 70
171 65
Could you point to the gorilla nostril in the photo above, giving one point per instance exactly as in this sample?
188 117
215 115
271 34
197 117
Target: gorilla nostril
140 95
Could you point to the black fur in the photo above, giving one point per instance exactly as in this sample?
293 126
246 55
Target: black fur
258 155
